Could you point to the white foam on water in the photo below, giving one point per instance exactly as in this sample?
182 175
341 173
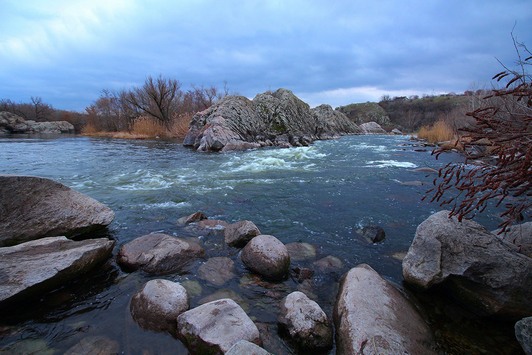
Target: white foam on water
142 180
169 204
390 164
274 159
365 146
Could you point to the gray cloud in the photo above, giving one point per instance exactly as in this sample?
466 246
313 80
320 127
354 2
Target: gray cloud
326 52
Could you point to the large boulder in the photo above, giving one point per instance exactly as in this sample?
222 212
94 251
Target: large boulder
244 347
37 266
305 322
11 123
158 254
519 235
267 256
373 317
214 327
157 305
484 272
279 118
33 207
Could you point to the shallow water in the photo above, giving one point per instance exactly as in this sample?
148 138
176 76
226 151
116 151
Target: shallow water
320 194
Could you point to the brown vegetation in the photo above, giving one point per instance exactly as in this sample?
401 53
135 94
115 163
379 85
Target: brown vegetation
440 131
501 139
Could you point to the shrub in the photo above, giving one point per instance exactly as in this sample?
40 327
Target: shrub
438 132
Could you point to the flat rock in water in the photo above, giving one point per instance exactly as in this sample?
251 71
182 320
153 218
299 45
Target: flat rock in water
373 317
98 345
158 253
38 266
33 207
215 327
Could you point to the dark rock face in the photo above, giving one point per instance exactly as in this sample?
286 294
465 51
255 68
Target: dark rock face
484 272
11 123
214 327
278 118
305 322
157 305
33 207
373 317
158 254
41 265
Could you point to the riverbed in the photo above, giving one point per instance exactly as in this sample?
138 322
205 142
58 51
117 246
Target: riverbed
322 194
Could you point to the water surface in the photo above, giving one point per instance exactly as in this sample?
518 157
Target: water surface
321 194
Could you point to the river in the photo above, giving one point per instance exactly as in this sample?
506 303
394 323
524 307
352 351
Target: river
321 194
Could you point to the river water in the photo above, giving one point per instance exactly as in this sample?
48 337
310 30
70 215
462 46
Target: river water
321 194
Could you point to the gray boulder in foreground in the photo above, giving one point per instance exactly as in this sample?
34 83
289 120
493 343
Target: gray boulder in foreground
34 207
373 317
305 322
37 266
157 305
482 271
239 233
272 118
214 327
158 254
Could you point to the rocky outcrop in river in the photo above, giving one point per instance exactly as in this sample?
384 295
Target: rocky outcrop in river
270 119
11 123
34 207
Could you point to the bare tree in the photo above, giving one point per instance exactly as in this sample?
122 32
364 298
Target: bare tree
501 139
156 98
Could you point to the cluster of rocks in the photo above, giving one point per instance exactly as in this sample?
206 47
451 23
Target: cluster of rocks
489 274
271 119
11 123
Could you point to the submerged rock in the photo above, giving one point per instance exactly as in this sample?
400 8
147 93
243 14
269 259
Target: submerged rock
157 305
38 266
267 256
217 270
98 344
158 253
301 251
33 207
278 118
195 217
208 227
215 327
373 234
373 317
305 322
482 271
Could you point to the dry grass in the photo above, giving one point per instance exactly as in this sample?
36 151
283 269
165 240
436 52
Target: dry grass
438 132
145 128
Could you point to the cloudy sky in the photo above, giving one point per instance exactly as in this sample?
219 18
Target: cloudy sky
325 51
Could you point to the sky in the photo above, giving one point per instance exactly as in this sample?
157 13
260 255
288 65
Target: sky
326 51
